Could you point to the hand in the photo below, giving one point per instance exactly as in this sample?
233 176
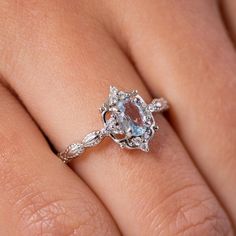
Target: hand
58 59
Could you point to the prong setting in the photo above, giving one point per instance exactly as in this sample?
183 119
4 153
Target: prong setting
135 137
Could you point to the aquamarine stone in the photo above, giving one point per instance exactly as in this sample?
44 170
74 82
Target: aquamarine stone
137 130
130 118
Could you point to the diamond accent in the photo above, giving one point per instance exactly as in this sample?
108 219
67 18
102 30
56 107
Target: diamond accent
136 141
158 104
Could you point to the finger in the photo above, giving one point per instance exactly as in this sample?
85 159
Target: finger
40 196
191 61
147 194
228 9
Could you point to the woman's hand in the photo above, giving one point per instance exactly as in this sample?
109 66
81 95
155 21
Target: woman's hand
57 61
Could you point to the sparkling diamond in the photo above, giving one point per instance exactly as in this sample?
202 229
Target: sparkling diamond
144 147
123 95
112 126
137 141
113 90
157 105
113 95
147 134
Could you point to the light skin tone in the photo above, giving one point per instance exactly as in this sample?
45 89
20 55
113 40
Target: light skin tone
57 61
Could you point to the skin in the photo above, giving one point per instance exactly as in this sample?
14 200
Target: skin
57 61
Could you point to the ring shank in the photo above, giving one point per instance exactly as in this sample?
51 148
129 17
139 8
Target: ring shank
95 137
76 149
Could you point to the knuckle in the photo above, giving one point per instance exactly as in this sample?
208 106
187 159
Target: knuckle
201 218
41 210
188 211
41 214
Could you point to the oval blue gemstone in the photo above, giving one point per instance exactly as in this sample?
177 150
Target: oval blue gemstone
130 118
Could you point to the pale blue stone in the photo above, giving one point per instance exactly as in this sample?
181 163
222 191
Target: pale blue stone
120 106
126 123
137 130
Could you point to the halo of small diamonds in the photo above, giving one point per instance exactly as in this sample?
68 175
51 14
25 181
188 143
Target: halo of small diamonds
136 136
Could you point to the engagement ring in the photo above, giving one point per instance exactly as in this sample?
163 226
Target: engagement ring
127 119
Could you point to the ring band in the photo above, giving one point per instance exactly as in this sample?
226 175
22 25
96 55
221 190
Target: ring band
127 119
